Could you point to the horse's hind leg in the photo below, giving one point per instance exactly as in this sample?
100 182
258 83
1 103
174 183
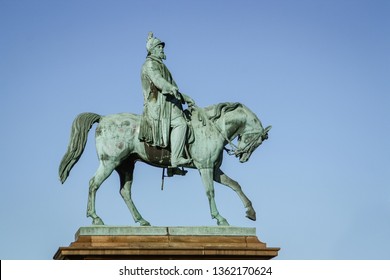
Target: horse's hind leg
222 178
125 172
104 170
207 178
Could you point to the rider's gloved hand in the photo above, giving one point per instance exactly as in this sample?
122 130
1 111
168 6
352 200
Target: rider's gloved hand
188 100
175 92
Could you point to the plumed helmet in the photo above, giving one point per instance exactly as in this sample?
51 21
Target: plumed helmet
153 42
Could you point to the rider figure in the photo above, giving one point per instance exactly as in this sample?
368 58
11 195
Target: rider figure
163 122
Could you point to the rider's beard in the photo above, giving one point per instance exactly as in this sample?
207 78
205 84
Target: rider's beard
162 56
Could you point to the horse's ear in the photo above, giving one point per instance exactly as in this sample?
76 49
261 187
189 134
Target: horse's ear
268 128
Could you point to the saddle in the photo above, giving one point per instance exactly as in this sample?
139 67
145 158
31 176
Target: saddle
162 156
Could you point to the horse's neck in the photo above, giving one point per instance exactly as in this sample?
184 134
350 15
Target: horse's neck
232 123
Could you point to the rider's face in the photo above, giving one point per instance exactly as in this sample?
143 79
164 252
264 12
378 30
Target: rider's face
159 51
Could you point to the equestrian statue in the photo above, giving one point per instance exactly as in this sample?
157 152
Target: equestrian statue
166 136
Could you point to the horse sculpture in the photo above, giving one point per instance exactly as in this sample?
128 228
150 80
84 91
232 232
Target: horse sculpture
118 148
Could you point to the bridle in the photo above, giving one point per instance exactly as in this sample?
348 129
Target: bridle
234 149
248 147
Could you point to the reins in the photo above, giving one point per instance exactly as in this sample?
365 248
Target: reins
233 147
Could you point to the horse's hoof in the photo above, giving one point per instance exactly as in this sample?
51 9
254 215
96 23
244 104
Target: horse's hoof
251 214
223 223
97 222
144 223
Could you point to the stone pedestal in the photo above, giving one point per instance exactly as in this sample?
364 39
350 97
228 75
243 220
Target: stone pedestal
169 243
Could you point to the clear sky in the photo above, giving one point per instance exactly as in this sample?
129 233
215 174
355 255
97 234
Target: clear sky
317 71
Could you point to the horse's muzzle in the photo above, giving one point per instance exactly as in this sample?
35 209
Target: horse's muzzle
244 157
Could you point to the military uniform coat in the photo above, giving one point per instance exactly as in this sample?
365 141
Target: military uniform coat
157 85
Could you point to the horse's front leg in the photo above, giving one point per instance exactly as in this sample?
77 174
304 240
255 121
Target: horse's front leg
223 179
207 178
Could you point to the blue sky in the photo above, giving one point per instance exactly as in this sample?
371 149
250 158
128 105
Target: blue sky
317 71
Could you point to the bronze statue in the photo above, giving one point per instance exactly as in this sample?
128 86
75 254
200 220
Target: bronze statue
124 139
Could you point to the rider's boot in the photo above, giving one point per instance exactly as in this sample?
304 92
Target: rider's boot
181 162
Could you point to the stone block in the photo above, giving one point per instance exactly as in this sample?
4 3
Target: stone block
142 243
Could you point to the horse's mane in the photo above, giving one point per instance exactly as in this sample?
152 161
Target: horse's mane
214 112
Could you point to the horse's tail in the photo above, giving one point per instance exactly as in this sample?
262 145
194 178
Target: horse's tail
78 138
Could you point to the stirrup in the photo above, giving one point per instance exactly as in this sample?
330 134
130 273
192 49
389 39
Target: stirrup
171 171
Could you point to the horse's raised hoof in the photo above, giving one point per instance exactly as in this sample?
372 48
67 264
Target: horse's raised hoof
97 222
251 214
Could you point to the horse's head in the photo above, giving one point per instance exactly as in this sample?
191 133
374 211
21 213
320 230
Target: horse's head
249 141
239 121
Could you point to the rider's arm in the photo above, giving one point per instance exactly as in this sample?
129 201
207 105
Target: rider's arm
153 72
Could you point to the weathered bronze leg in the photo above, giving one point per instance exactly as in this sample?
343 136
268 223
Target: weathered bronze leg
126 177
223 179
101 174
207 178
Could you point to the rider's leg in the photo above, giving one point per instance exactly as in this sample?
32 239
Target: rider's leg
178 141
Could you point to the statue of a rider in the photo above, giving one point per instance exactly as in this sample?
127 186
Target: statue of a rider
163 122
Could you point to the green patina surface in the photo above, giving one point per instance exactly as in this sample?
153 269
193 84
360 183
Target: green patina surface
195 138
155 230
